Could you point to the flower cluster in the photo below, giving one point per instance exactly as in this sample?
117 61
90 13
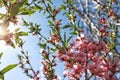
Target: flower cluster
7 38
54 39
48 64
88 57
47 70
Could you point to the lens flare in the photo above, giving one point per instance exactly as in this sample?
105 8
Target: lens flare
2 31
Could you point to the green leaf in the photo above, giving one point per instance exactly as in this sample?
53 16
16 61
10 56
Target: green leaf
50 1
23 34
66 44
13 45
51 23
73 33
49 16
53 30
17 29
69 39
27 12
68 16
32 29
15 9
8 68
53 49
14 1
50 8
62 7
66 26
5 2
17 40
1 54
1 77
42 45
25 23
37 6
65 36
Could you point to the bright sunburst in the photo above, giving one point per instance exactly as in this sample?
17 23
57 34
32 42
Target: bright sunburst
1 31
3 46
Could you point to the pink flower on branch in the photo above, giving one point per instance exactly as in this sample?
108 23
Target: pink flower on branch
84 55
7 38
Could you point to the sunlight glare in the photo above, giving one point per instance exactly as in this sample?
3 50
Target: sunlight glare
11 28
2 42
2 32
2 45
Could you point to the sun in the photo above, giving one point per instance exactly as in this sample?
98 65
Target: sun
1 31
4 33
11 28
3 44
5 30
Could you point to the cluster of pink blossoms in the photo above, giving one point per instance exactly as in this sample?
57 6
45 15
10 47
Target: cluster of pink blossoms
54 39
88 57
7 38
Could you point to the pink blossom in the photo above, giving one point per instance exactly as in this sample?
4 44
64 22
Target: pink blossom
83 54
7 38
57 23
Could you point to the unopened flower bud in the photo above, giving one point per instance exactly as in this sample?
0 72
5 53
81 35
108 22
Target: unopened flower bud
26 61
42 51
57 11
26 70
57 22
